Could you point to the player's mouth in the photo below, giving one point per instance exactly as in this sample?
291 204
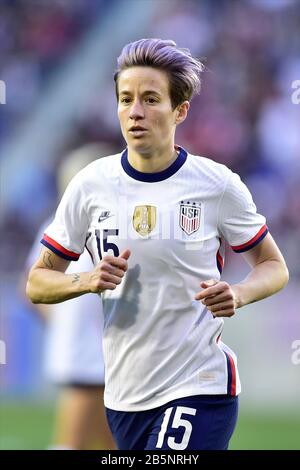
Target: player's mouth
137 131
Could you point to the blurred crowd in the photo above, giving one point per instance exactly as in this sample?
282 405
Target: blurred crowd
35 38
244 116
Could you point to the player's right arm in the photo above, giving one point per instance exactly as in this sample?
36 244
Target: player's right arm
47 282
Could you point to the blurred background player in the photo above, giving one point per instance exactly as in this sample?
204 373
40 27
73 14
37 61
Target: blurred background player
73 353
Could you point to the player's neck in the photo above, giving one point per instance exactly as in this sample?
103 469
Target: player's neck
153 162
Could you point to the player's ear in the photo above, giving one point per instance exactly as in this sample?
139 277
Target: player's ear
181 112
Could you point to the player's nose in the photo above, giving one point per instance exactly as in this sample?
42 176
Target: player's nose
136 110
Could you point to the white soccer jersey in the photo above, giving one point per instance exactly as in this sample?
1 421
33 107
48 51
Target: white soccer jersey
159 343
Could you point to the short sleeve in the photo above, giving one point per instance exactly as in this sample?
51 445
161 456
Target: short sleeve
66 235
36 245
238 220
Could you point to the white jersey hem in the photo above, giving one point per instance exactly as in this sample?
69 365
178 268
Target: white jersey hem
187 392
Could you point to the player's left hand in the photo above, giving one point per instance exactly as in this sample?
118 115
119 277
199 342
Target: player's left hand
219 298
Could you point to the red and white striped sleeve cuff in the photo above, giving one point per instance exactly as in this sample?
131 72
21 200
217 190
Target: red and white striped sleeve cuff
253 242
59 249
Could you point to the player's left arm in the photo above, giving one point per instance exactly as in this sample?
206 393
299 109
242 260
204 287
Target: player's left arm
268 275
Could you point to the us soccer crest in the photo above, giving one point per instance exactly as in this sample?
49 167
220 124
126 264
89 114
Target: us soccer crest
144 219
189 217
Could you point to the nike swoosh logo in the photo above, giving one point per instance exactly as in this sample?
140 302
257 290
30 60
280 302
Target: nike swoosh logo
101 219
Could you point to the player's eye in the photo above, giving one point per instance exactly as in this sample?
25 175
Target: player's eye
125 100
151 100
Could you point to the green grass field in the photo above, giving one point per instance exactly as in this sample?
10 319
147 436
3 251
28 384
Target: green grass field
28 426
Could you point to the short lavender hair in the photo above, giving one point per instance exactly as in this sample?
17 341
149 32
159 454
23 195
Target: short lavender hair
183 70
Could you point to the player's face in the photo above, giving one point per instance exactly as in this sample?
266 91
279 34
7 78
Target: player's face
144 109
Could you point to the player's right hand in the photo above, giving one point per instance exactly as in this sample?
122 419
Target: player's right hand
108 274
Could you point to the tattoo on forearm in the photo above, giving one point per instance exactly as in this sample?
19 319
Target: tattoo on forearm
47 259
76 278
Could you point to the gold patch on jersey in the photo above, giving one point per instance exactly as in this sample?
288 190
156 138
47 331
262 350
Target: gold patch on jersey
144 219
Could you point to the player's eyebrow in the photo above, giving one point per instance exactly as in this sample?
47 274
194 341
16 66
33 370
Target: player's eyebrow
146 92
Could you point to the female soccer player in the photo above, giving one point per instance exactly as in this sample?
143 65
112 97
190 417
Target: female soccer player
155 219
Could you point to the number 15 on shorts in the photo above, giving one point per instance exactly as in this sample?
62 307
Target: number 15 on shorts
178 421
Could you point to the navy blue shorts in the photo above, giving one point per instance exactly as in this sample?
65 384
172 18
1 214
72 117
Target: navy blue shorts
190 423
